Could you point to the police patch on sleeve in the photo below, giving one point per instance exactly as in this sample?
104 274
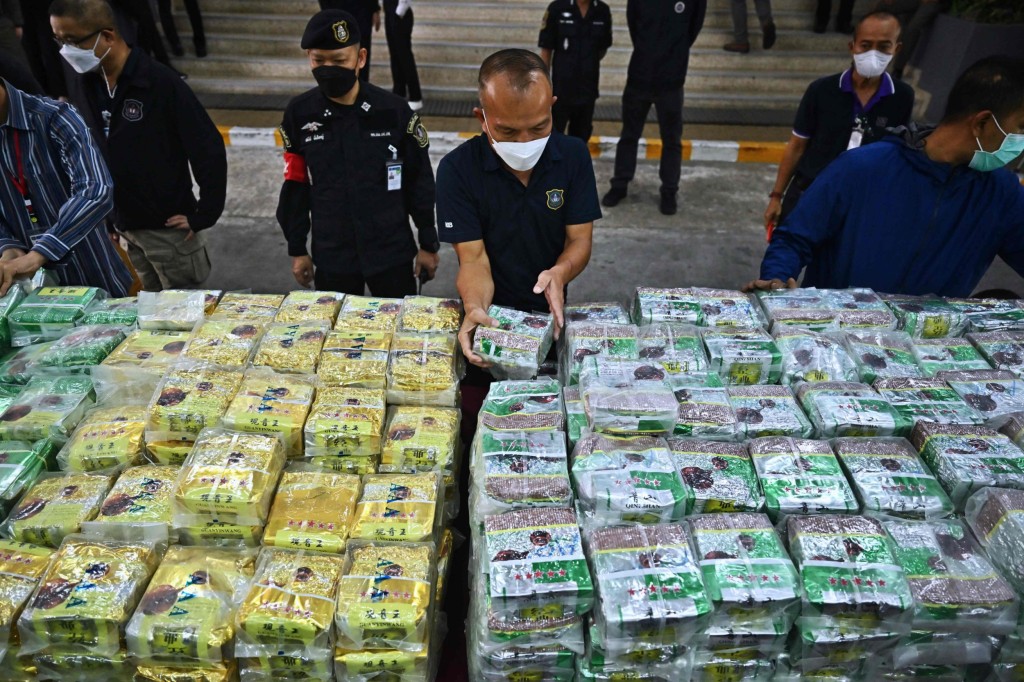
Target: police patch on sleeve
284 138
418 131
544 21
556 198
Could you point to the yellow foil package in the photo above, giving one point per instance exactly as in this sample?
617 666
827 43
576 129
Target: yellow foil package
17 668
218 534
427 314
149 348
310 306
187 615
444 557
292 347
248 307
390 665
142 495
422 370
229 476
420 439
317 667
355 359
155 673
361 312
189 399
289 608
86 596
345 422
85 667
313 510
228 343
272 403
398 508
107 437
57 506
21 566
175 309
385 596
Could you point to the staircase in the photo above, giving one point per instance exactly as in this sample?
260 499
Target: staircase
255 61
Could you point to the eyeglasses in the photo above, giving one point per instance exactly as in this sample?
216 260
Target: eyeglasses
76 42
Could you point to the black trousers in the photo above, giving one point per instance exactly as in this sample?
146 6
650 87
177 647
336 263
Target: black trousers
396 282
844 16
195 17
636 103
405 81
42 53
575 120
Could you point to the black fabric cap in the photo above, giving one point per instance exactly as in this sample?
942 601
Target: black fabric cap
331 29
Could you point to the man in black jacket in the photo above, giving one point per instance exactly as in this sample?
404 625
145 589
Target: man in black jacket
151 129
662 32
356 169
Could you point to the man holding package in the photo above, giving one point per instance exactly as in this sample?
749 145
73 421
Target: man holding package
924 213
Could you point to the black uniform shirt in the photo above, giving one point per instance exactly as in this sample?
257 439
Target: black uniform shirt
578 44
523 227
338 160
830 110
662 31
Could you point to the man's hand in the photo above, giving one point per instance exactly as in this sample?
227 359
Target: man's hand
427 261
19 32
115 238
180 222
769 285
772 213
302 269
551 284
11 254
474 318
376 21
22 267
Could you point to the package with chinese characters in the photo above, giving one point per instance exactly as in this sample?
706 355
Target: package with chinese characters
313 509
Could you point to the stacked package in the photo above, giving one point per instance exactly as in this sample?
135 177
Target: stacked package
399 508
678 347
744 357
694 305
49 312
80 350
822 309
705 410
372 314
57 506
591 339
354 358
926 317
292 347
517 344
812 357
272 403
313 509
947 355
175 310
428 315
839 409
801 477
239 306
1003 350
21 567
607 313
990 314
721 476
107 437
48 407
883 355
228 343
344 429
523 406
769 411
20 466
627 397
520 469
310 306
423 370
138 506
927 400
994 394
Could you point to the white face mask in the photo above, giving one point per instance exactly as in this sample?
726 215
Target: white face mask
82 60
871 64
520 156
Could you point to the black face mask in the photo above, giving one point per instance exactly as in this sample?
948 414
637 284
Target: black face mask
335 81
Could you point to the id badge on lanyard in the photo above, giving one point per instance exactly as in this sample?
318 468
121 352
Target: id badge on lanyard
394 167
20 183
856 135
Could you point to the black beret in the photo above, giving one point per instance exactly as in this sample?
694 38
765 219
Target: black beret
331 29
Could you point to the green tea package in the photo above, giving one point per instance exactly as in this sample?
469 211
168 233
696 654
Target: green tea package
750 578
678 347
967 458
812 357
801 477
839 409
48 407
769 411
954 586
20 466
596 339
523 406
948 355
744 357
883 355
122 312
720 475
17 366
994 394
603 313
518 470
996 515
827 309
80 349
890 479
927 317
626 397
704 408
990 314
8 302
47 313
517 344
56 506
928 400
694 305
1003 350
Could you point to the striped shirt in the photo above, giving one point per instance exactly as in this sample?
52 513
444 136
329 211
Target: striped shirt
70 189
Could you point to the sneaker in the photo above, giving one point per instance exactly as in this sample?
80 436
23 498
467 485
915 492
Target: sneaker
613 197
416 105
742 48
768 37
668 204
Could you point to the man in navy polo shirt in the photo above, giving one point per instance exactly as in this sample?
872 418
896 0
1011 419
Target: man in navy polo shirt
518 202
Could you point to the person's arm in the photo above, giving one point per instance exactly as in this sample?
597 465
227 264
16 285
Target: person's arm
476 289
571 263
548 39
606 37
419 193
293 205
699 12
12 10
632 19
791 156
204 148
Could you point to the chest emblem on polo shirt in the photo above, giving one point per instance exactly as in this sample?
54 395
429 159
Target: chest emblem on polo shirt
556 198
680 7
132 110
313 126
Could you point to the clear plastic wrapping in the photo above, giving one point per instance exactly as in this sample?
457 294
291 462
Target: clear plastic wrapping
947 355
228 343
123 312
138 506
1003 350
310 306
883 355
21 566
596 339
244 306
704 409
607 313
421 439
293 347
149 348
313 509
926 656
272 403
423 369
86 596
928 400
57 506
955 588
820 309
812 357
927 317
966 458
575 414
518 344
721 476
523 406
990 314
801 477
49 312
628 480
80 349
744 356
8 302
994 394
890 479
519 469
344 429
377 314
769 411
386 597
996 515
427 314
678 347
229 476
626 397
79 666
16 367
398 508
106 437
386 664
355 359
20 466
695 305
187 615
175 309
839 409
48 407
190 397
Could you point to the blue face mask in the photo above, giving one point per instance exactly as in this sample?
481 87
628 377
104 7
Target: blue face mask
1010 149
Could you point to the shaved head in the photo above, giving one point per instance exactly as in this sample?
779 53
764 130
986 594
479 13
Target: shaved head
517 70
90 14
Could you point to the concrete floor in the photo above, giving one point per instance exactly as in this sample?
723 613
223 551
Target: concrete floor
717 239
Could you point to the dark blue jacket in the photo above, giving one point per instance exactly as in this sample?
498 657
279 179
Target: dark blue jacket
885 216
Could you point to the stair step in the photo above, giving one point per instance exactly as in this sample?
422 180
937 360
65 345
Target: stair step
309 7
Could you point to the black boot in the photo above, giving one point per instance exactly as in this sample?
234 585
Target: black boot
613 197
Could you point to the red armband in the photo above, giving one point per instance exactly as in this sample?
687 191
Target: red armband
295 167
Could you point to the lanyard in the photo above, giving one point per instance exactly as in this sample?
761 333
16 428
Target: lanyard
21 182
